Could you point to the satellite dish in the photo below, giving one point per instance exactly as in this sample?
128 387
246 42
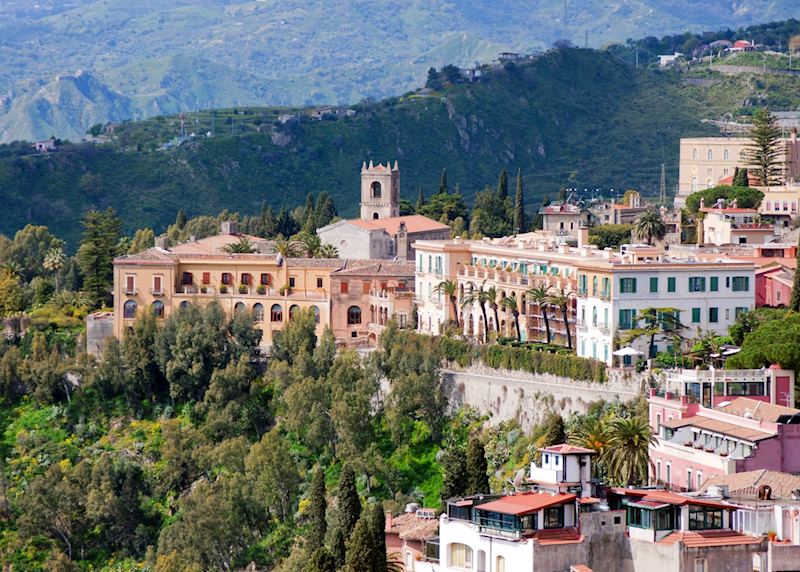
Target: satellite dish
518 479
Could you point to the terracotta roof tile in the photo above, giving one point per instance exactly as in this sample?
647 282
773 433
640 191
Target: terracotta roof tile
557 536
579 568
708 538
525 503
717 426
414 223
760 410
567 449
748 483
409 526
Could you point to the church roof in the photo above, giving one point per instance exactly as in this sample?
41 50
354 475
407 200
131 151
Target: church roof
414 223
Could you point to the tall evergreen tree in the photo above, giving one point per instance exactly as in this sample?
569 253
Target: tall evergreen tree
763 154
502 185
360 547
322 561
377 521
325 210
454 467
477 479
338 547
794 304
443 182
348 501
420 201
268 222
740 178
318 526
519 206
101 233
181 219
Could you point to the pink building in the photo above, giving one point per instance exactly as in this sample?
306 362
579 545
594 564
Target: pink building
774 284
711 429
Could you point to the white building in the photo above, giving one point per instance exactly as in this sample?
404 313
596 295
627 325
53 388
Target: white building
732 225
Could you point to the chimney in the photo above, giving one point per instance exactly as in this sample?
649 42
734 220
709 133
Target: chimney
162 242
401 242
583 236
230 227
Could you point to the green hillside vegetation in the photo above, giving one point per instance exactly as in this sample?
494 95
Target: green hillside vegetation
577 118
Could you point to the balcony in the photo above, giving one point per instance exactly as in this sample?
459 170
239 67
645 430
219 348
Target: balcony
129 291
157 291
540 475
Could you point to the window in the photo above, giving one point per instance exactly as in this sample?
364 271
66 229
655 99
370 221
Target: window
725 154
639 517
247 279
501 564
671 284
376 190
713 315
366 286
695 315
742 310
130 284
158 309
129 310
239 307
710 155
654 284
699 480
293 309
713 284
319 282
694 184
697 284
582 289
554 517
157 285
316 314
594 286
741 284
226 278
344 288
265 280
627 285
626 319
353 315
605 292
704 518
669 475
276 313
700 565
258 312
291 281
184 305
460 556
689 480
206 277
694 154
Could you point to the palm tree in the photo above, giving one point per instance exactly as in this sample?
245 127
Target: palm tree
481 297
327 251
510 304
561 299
649 227
287 248
540 295
310 244
54 260
629 440
449 288
592 433
655 321
491 294
243 246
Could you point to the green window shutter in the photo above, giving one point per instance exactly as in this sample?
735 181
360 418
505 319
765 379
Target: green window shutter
654 284
671 284
695 315
713 315
714 284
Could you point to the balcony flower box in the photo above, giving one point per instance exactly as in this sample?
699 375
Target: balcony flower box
223 289
242 289
261 289
203 289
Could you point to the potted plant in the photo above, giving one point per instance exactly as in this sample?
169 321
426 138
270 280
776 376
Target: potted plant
261 289
772 535
203 289
284 290
242 288
223 289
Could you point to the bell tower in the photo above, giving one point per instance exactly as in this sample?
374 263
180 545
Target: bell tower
380 191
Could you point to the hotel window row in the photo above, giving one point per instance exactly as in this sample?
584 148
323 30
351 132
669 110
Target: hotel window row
130 308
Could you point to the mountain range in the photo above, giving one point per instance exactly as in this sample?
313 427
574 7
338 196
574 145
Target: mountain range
68 64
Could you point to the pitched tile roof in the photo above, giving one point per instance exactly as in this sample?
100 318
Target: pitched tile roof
665 497
758 409
557 536
717 426
748 483
215 243
380 268
409 526
525 503
708 538
567 449
414 223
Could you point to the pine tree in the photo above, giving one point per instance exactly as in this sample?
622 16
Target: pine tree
360 548
269 223
101 234
443 183
477 480
519 206
377 521
764 152
325 211
502 185
794 304
420 201
454 467
348 501
322 561
318 526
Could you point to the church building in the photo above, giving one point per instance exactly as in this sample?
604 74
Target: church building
381 233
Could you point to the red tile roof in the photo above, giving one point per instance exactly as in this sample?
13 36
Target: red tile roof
662 497
707 538
579 568
752 180
728 210
759 410
782 485
409 526
557 536
526 503
414 223
565 449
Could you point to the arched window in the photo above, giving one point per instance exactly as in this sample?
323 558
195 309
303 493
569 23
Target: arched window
594 286
316 314
353 315
129 310
501 564
376 190
710 155
184 305
594 316
460 556
293 309
694 154
239 307
276 313
376 216
258 312
725 154
743 154
158 309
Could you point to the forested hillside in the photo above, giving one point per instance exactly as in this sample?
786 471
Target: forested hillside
576 118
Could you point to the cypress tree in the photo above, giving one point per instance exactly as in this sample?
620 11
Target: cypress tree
181 219
502 185
348 501
318 526
378 526
360 547
443 183
268 222
322 561
794 304
740 178
420 201
454 467
477 480
338 547
763 153
519 206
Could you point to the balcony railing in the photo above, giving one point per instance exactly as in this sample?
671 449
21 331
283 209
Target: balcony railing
130 291
157 291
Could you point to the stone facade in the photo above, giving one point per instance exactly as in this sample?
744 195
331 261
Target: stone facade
380 191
